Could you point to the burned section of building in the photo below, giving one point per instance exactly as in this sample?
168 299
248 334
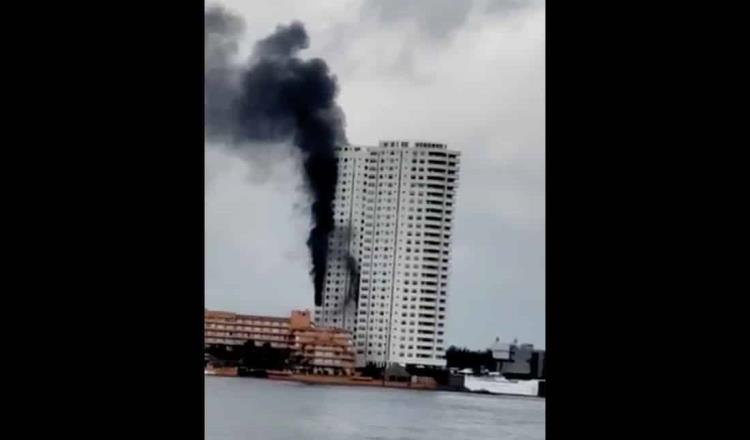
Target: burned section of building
292 343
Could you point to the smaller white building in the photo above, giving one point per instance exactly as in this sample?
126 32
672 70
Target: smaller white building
500 350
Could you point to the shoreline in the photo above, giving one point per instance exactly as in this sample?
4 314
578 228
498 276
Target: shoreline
348 381
369 382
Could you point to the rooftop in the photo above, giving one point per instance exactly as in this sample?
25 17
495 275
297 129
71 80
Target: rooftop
229 315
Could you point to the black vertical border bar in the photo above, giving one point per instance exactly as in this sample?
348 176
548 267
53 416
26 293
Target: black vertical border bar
111 176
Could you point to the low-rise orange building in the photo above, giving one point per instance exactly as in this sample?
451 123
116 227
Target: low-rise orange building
314 349
226 328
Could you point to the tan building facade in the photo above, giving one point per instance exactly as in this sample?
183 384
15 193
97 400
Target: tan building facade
316 349
226 328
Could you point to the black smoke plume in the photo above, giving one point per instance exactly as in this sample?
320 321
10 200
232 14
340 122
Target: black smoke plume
273 98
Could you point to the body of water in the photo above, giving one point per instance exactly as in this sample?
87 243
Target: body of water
248 409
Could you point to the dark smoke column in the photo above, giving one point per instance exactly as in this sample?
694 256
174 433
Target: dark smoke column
277 97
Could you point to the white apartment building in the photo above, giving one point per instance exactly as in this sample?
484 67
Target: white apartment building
394 214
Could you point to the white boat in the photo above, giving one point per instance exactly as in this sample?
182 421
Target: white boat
501 385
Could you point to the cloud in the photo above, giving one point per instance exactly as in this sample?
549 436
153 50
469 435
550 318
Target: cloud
256 260
510 6
436 18
440 19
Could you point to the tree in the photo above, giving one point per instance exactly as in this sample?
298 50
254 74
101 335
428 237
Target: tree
464 358
223 354
264 357
372 370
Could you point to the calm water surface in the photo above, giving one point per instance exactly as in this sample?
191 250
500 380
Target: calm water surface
244 408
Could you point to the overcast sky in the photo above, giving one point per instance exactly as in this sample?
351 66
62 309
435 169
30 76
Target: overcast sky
468 73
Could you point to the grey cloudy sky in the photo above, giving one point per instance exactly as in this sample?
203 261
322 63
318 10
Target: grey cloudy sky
470 73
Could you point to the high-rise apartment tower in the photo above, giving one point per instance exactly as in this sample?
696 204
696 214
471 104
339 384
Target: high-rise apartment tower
388 265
